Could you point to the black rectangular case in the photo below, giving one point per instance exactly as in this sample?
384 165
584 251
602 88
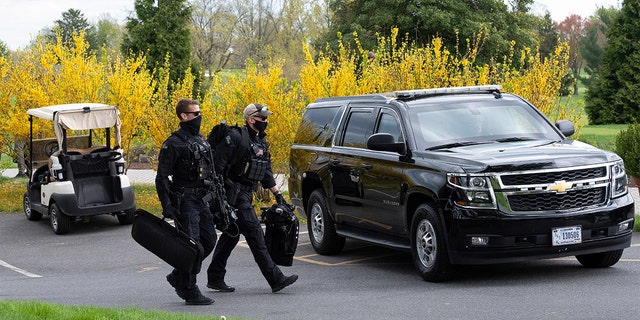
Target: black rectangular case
173 246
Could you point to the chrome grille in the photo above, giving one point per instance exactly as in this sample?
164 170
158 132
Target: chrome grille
550 177
557 201
555 190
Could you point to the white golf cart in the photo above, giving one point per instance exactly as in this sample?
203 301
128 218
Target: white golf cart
69 176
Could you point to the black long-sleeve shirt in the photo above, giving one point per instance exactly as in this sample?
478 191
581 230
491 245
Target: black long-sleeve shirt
177 161
229 148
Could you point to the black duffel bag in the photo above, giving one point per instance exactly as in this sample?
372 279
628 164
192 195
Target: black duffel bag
281 233
167 242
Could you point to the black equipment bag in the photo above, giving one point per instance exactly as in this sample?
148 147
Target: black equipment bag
173 246
281 234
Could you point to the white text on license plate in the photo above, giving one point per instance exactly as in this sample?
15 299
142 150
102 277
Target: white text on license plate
566 235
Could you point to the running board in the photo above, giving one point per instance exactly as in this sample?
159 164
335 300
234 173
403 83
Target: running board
390 242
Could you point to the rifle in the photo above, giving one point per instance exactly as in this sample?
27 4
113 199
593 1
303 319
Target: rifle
223 213
216 198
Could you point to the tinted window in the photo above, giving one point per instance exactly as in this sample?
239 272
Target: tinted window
389 124
316 127
357 129
477 120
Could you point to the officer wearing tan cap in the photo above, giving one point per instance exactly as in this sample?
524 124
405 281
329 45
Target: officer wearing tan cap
242 180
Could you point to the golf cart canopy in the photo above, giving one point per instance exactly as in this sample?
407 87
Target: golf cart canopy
79 116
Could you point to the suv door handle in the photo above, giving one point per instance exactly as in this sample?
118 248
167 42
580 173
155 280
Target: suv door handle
334 161
367 166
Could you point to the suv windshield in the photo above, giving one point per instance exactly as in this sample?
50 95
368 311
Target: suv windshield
476 120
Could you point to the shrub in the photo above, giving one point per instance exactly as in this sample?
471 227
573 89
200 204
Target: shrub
628 147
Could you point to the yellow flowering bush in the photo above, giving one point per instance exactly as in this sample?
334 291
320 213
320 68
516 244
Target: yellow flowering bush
54 73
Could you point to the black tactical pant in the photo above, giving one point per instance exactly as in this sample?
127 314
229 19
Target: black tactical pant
196 220
249 226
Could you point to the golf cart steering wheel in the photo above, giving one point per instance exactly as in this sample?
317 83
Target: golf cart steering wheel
50 147
114 156
107 156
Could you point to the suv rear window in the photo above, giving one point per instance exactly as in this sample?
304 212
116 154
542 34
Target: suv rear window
316 126
358 126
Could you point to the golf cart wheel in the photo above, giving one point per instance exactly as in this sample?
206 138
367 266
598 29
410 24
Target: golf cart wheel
127 217
28 212
60 223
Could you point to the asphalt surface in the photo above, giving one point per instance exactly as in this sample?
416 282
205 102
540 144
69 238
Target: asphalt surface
99 264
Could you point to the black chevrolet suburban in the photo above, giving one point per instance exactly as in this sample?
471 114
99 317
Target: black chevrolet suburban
462 175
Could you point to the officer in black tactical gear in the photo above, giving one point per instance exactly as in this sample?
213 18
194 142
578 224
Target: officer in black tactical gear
241 180
186 157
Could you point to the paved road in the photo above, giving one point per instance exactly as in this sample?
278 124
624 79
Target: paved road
98 263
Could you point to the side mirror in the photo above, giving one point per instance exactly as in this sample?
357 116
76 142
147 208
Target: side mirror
566 127
385 142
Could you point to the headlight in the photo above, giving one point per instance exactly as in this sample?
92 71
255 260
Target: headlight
619 182
473 191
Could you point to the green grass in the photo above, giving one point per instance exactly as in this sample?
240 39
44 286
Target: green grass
11 192
6 162
27 310
601 136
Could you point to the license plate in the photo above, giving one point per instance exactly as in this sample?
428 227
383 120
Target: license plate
566 235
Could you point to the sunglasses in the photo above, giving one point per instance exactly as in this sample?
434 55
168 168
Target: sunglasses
194 113
260 108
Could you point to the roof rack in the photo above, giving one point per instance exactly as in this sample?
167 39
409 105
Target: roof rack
412 94
366 97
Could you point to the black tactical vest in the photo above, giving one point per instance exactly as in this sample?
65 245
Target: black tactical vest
198 164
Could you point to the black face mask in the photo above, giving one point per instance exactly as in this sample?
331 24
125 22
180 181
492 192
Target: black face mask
192 126
261 125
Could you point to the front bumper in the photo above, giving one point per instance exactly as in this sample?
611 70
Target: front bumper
512 239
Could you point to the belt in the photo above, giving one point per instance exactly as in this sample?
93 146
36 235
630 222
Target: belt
246 185
190 190
248 188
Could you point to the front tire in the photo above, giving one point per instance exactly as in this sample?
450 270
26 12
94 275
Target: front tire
322 231
428 248
28 211
60 222
600 259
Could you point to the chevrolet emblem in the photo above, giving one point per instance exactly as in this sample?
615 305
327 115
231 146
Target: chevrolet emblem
560 186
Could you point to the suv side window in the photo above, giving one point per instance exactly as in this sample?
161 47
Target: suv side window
357 128
317 126
389 124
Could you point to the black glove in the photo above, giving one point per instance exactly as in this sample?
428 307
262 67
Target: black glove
170 212
280 199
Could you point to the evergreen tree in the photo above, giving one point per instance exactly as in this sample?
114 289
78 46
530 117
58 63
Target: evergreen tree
160 30
549 35
592 45
73 22
614 95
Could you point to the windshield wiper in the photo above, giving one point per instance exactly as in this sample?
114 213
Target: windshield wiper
457 144
514 139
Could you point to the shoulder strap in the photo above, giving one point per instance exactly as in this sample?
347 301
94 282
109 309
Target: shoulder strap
244 145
